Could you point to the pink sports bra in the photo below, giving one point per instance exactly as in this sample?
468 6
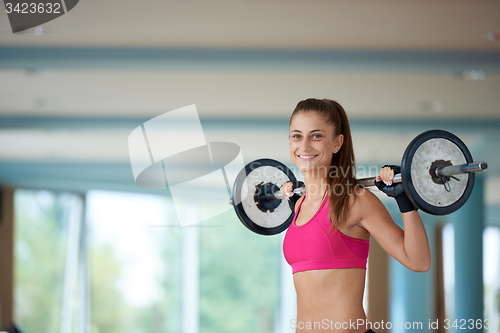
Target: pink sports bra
319 245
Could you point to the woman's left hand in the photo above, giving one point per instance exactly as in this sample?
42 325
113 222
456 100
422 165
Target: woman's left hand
386 175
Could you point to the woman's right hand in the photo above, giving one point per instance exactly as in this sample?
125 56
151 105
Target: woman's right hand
287 190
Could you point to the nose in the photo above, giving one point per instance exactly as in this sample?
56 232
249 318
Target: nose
305 144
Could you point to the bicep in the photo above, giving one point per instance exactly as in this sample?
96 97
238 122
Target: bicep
379 223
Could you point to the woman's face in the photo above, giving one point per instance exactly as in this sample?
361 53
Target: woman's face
312 142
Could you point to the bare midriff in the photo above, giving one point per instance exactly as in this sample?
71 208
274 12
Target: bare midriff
330 300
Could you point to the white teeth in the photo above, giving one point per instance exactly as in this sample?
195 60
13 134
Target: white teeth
307 157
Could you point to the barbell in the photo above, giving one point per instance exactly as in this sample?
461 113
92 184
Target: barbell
437 173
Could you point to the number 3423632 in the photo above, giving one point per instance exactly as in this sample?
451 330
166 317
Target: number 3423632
463 324
33 8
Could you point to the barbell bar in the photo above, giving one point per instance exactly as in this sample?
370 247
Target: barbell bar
370 181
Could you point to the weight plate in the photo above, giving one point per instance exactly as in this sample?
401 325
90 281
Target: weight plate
246 189
428 193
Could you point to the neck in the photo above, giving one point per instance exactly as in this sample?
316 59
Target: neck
316 187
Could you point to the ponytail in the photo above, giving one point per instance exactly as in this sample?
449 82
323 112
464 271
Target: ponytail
342 178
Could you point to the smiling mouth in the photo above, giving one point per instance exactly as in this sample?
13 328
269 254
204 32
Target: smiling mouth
306 157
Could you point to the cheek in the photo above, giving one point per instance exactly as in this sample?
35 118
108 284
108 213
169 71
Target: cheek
329 146
293 148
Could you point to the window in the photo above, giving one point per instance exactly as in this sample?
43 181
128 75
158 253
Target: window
135 266
491 254
41 230
120 262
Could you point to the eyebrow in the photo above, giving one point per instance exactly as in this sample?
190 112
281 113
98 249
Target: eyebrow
312 131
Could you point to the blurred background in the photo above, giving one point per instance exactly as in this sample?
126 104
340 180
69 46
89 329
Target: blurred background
84 249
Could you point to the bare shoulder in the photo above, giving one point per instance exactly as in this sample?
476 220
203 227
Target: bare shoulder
365 199
370 211
367 206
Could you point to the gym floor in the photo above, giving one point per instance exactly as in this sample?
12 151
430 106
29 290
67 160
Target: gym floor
83 247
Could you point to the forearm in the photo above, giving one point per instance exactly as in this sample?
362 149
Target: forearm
416 243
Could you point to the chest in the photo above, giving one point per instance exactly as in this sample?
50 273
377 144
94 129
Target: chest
310 209
307 211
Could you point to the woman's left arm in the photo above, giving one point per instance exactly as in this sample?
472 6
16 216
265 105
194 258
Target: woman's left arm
416 241
410 246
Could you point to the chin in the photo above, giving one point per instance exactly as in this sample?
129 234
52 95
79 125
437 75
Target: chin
307 167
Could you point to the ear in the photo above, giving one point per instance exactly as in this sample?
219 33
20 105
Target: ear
338 142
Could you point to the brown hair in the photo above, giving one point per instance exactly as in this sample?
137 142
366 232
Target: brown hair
343 166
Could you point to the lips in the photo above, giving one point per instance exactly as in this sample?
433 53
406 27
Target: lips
306 157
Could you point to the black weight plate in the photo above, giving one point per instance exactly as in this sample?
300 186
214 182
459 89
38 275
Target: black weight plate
423 191
257 218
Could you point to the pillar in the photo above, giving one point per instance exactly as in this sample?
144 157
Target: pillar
468 224
191 271
287 310
6 257
412 293
378 285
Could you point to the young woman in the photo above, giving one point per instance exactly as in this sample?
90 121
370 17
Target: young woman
328 240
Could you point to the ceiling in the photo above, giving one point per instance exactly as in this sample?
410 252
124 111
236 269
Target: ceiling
91 76
457 25
251 58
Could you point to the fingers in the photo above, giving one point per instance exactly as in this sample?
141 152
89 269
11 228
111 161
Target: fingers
287 189
386 175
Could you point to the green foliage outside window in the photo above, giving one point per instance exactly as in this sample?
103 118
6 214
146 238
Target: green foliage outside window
239 274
